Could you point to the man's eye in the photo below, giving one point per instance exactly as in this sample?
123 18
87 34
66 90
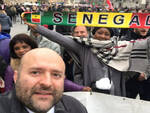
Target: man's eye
35 72
57 75
82 32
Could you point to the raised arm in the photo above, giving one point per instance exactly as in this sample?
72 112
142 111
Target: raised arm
64 41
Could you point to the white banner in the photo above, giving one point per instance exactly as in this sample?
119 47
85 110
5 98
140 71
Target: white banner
102 103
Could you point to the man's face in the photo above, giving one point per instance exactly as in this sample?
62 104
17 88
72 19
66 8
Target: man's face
141 31
80 31
40 82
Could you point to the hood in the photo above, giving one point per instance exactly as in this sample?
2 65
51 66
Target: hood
3 16
3 36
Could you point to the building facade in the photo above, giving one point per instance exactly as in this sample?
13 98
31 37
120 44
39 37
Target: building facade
116 3
133 3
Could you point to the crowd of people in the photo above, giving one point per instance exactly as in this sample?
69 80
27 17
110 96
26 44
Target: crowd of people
86 52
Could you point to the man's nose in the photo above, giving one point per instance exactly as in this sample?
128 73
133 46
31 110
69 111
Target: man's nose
79 34
46 79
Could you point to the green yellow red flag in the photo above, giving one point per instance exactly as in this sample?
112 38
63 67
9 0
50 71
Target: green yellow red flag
36 18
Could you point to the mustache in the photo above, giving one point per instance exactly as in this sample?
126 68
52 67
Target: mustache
43 89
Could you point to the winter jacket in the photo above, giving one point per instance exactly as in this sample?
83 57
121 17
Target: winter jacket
9 103
5 22
45 43
4 47
8 78
6 74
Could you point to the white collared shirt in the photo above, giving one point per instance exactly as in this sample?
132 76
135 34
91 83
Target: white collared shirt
50 111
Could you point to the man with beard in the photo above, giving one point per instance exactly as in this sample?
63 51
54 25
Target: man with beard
39 84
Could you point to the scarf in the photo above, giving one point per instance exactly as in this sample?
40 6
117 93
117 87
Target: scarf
120 55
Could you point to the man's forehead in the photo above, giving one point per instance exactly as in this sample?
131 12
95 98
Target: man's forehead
40 52
80 28
38 56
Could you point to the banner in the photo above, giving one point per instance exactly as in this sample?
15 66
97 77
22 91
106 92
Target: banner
116 20
103 103
103 19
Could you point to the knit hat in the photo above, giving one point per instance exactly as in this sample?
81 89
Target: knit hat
110 30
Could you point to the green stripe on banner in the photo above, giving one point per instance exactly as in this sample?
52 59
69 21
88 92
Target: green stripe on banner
51 18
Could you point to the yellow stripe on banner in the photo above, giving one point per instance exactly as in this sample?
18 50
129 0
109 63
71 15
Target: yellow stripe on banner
120 20
35 16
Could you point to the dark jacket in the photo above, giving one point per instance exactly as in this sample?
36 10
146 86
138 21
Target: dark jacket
4 47
5 22
10 104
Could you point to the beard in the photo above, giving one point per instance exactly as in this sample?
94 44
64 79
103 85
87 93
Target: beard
26 96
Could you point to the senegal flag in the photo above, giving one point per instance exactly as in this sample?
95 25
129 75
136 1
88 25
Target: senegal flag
36 18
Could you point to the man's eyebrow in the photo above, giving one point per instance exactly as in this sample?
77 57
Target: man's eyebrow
36 68
58 71
39 68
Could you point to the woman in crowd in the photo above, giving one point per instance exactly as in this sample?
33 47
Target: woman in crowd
21 44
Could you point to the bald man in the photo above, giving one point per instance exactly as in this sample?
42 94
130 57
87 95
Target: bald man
39 85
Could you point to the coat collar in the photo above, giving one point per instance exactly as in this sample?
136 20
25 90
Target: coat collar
16 105
61 108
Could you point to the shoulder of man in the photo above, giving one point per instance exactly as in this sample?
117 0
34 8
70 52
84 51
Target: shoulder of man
10 104
69 104
5 102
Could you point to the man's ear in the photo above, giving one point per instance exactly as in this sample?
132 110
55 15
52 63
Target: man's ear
15 76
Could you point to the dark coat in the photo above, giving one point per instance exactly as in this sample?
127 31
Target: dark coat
10 104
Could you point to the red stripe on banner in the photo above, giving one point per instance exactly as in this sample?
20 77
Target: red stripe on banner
140 20
35 20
